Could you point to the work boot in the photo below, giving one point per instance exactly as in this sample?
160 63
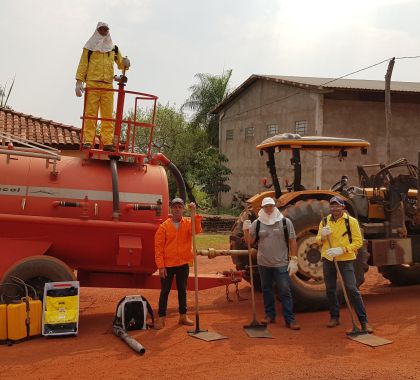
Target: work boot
108 148
333 322
86 146
160 323
184 320
293 326
267 320
366 327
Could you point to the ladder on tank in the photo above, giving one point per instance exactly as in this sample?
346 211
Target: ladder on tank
12 145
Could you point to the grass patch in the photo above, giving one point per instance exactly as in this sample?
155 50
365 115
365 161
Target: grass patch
216 241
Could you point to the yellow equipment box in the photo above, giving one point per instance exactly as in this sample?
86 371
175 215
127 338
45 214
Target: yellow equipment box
24 319
3 323
61 308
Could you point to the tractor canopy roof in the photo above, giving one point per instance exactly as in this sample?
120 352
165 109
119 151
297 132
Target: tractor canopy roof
288 141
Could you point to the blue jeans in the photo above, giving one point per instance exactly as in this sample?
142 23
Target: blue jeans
330 278
280 276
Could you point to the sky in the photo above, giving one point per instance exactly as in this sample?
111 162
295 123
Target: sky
168 42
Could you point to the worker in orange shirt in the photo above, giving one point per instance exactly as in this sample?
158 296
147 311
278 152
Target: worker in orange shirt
173 253
96 69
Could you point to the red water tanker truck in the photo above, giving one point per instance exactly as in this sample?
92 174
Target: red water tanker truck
90 218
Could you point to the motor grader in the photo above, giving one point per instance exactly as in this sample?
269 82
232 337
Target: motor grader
384 202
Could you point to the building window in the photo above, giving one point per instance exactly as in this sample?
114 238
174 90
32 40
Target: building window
249 132
301 127
229 134
272 130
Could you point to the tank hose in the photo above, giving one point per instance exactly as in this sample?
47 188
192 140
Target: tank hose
180 184
115 188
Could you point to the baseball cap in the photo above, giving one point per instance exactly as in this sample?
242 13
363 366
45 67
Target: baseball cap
177 200
267 201
337 200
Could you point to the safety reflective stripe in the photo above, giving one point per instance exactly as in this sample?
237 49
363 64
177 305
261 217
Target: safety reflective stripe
12 190
94 195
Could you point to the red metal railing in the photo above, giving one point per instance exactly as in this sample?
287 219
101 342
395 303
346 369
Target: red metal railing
128 149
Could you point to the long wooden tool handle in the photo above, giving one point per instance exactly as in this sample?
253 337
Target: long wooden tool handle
197 318
251 274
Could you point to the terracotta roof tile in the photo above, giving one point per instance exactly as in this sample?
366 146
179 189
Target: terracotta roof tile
40 130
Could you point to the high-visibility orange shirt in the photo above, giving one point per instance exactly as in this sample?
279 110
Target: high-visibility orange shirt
173 247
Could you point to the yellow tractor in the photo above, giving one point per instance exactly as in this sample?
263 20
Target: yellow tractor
385 203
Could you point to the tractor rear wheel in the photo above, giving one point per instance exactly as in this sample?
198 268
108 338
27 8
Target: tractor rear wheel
308 284
402 275
36 271
237 242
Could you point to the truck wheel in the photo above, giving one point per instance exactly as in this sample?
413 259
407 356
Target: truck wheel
401 275
36 271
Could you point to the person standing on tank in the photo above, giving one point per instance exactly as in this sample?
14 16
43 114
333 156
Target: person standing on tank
275 236
96 69
341 238
173 254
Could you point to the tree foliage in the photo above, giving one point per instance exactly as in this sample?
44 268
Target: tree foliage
211 172
205 95
201 165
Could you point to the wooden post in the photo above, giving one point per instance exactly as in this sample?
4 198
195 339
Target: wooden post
388 113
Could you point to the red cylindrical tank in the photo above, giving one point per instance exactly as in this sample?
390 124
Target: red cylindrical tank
86 237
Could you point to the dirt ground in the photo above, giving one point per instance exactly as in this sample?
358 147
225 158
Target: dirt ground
315 352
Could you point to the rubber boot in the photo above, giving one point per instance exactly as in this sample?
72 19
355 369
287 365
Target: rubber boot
160 323
184 320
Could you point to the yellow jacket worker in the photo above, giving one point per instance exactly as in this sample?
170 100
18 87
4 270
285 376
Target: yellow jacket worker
340 238
96 69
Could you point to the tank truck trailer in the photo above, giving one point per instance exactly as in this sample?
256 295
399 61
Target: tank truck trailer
90 218
385 202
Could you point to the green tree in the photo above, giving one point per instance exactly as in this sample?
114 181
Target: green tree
176 138
205 95
211 173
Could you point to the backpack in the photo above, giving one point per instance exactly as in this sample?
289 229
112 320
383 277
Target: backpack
131 313
115 49
285 231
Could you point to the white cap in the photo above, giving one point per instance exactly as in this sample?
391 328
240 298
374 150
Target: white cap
267 201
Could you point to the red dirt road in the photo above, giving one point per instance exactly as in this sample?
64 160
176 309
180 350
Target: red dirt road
315 352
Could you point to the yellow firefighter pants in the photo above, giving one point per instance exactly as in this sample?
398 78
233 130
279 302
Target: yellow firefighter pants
102 101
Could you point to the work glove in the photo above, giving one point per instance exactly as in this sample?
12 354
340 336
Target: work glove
79 88
126 62
246 225
325 231
334 252
292 268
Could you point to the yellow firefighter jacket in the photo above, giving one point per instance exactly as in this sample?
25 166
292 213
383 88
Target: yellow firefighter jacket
340 238
99 66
